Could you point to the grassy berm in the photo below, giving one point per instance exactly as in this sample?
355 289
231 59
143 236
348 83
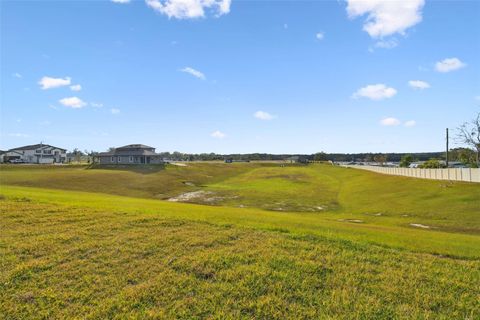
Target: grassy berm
87 247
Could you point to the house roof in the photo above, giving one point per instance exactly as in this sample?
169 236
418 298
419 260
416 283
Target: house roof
12 151
36 146
141 152
135 146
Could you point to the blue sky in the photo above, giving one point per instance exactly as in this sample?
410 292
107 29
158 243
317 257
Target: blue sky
241 76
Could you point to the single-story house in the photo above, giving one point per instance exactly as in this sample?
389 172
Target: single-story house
36 153
297 159
130 154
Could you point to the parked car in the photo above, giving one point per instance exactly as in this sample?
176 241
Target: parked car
17 161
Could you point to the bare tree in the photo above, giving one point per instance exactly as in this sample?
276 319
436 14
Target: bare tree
380 158
469 134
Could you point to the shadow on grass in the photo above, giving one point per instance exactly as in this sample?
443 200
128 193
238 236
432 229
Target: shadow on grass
137 168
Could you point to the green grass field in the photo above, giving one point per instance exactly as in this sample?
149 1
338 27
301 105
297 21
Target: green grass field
274 242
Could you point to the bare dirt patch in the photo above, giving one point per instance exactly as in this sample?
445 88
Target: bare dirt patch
351 220
203 197
191 196
419 225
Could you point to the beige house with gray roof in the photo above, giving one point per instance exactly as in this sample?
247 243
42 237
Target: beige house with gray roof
130 154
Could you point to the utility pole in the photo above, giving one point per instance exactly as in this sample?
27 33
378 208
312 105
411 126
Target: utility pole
446 155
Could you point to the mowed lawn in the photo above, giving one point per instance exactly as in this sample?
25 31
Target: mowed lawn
308 242
333 193
78 262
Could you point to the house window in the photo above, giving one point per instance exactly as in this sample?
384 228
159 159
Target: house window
130 159
119 159
38 151
112 159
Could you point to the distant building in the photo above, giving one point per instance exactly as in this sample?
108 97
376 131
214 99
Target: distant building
36 153
130 154
297 159
232 160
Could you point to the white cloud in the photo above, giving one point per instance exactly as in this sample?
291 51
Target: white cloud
18 135
418 84
375 92
386 44
285 26
449 64
218 134
49 83
115 111
45 123
73 102
389 122
422 68
120 1
320 35
187 9
410 123
262 115
194 72
384 17
477 98
17 75
76 87
96 104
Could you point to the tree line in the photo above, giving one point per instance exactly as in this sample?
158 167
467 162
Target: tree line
468 135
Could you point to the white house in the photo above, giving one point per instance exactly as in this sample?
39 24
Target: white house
37 153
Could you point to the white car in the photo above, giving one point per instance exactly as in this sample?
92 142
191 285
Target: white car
16 161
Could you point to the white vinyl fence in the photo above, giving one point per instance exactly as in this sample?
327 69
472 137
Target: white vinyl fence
455 174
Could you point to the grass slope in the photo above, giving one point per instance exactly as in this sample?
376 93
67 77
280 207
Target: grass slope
333 243
384 233
111 257
332 192
154 181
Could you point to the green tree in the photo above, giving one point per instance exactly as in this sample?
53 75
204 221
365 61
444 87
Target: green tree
432 164
320 156
406 161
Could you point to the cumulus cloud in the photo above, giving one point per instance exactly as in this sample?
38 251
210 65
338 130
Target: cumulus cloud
96 104
410 123
18 135
385 18
262 115
76 87
73 102
449 64
218 134
418 84
375 92
386 44
115 111
49 82
188 9
17 75
320 35
194 73
389 121
120 1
